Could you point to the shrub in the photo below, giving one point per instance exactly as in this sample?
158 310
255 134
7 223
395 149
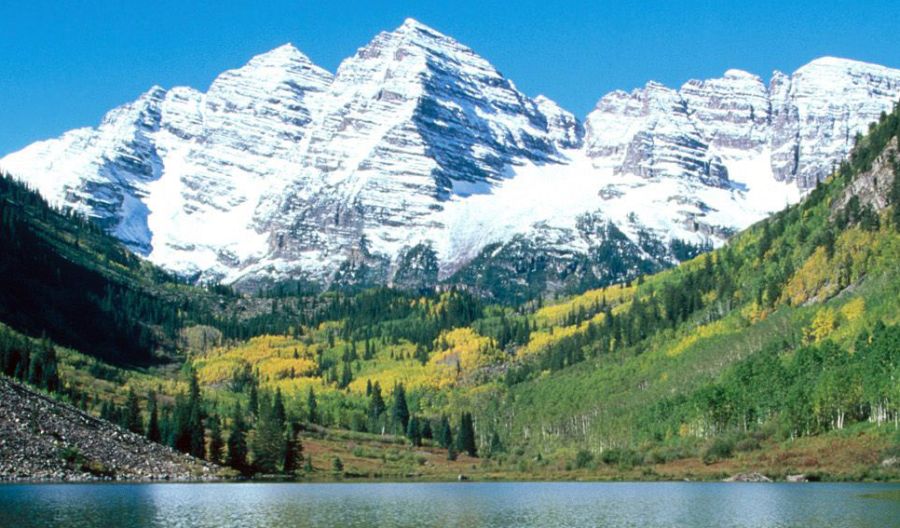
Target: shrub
622 457
583 459
719 449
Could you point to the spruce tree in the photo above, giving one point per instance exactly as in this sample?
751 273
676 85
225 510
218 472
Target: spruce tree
445 439
312 407
237 442
133 420
216 444
253 402
153 430
195 423
399 410
413 432
278 409
293 450
267 443
465 441
376 408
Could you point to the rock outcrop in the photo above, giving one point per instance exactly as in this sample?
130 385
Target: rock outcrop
43 439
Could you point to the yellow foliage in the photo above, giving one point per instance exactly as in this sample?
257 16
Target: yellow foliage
540 340
553 314
823 324
467 349
702 332
272 356
854 309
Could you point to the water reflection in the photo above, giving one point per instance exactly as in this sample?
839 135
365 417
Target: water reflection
552 505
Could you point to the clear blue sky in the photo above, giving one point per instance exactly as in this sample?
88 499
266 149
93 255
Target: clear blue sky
64 63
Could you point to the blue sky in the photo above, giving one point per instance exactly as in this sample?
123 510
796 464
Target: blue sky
63 64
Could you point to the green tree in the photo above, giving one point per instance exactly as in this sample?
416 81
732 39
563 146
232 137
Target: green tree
399 410
267 440
153 429
195 421
413 432
376 409
445 436
133 420
465 441
216 444
237 442
278 408
312 407
293 450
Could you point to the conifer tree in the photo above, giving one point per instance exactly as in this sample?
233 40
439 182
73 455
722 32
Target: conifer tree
195 423
445 438
237 442
465 440
293 450
413 432
216 444
312 411
399 410
133 413
153 429
267 443
278 408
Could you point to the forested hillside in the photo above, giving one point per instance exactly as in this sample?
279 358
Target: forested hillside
785 340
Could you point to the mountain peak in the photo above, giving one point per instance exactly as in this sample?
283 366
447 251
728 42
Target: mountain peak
837 63
411 24
284 54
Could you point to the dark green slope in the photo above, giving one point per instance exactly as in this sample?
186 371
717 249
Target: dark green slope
63 277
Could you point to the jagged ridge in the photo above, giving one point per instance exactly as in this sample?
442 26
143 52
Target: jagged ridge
418 160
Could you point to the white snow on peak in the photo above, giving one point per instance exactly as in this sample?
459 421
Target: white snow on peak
281 169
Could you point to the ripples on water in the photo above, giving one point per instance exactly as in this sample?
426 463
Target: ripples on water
545 505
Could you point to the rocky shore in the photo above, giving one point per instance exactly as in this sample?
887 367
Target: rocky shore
42 439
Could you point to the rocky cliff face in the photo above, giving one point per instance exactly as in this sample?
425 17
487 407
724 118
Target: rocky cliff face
418 162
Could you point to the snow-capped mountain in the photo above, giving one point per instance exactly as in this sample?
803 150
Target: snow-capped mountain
418 162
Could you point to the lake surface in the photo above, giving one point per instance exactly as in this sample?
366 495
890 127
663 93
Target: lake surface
545 505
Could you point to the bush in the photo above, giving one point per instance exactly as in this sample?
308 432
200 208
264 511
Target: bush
719 449
583 459
747 444
622 457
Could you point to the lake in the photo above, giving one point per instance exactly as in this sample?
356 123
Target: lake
546 505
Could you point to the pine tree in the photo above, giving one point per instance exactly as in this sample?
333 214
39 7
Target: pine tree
253 402
312 407
376 407
237 442
195 424
153 429
216 444
413 432
426 429
278 409
496 445
346 376
399 410
133 413
465 441
267 441
445 437
293 450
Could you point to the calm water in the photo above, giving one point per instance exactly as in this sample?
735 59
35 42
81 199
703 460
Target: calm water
436 505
